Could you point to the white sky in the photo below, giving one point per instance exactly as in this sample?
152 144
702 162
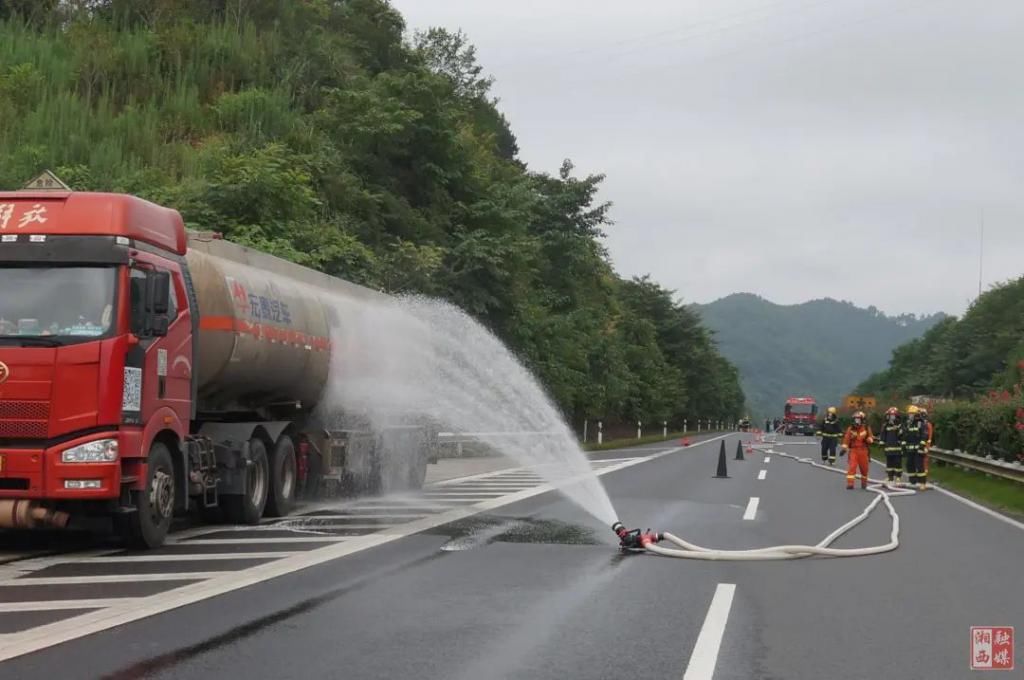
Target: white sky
791 148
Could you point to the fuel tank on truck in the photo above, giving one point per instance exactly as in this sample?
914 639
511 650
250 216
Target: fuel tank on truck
264 327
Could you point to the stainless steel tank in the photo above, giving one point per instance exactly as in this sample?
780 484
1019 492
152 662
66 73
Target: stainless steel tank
264 326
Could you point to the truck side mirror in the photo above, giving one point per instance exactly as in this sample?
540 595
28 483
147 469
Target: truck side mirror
158 292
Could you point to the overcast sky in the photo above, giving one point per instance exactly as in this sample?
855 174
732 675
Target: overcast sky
791 148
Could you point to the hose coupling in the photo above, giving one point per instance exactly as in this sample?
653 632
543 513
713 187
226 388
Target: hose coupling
634 540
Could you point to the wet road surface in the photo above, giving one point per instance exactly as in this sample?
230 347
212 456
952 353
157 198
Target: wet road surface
535 588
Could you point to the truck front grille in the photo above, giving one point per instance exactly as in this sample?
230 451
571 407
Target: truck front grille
24 419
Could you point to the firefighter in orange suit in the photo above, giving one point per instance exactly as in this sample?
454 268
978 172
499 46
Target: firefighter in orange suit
856 441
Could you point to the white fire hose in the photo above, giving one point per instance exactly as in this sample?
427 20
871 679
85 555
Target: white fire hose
790 552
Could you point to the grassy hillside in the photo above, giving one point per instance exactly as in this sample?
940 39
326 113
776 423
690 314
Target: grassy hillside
821 348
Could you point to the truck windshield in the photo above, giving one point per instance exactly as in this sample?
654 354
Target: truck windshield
63 304
801 409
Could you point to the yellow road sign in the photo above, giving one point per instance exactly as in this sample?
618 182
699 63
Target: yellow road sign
856 402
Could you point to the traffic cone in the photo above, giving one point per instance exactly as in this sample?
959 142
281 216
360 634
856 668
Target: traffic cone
739 450
722 472
685 441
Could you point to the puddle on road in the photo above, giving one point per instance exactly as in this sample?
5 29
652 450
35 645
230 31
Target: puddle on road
474 532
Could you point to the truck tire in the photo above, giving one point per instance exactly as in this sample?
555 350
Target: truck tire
247 507
283 477
147 527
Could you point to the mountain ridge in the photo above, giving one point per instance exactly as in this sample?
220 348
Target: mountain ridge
821 347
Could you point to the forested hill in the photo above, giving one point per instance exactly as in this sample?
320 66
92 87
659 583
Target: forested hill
319 131
962 358
821 348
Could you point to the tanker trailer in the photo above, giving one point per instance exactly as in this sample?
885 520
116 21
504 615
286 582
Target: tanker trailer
148 372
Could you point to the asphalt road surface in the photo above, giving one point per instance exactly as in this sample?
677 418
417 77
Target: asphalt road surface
491 576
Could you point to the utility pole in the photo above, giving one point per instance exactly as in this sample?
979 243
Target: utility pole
981 248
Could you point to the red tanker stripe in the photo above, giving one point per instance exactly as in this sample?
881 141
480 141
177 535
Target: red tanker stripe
263 331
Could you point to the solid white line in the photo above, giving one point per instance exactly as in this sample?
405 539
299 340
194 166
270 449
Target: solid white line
291 525
507 486
981 508
384 510
969 503
342 515
111 578
260 541
51 605
48 635
762 474
767 459
445 502
112 559
491 494
705 652
751 507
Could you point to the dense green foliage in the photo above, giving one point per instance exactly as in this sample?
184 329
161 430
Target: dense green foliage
962 358
820 348
315 131
978 362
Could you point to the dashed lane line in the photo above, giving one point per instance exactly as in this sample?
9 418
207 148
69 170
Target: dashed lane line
751 510
709 641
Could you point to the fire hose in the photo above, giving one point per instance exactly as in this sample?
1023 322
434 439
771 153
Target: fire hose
639 541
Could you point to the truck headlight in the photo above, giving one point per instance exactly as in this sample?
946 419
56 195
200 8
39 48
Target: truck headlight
99 451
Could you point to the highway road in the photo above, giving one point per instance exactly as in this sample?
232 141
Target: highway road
491 576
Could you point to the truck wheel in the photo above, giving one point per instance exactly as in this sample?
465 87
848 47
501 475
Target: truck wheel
247 507
147 527
282 478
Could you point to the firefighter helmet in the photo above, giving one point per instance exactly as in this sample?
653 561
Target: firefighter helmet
913 410
892 411
831 410
859 414
923 412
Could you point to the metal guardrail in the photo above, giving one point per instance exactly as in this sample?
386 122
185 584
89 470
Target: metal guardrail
991 466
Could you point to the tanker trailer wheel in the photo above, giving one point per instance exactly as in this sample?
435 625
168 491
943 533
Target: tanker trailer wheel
247 507
147 527
283 478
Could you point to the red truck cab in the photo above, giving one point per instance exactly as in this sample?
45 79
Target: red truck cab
801 416
94 299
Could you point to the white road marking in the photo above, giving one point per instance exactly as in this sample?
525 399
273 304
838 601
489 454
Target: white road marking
51 605
470 494
48 635
111 578
261 541
751 507
762 474
419 509
981 508
463 499
705 652
292 525
344 515
767 459
112 559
